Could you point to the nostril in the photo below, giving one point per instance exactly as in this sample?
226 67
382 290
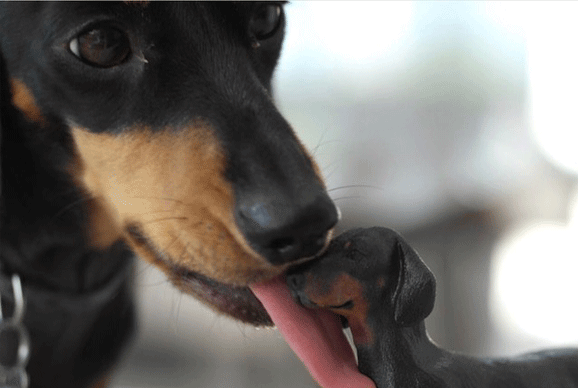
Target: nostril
295 282
320 241
290 248
283 244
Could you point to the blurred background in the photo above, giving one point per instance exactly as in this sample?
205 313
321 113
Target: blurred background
452 122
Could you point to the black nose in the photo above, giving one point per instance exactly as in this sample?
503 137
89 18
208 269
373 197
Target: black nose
285 229
296 283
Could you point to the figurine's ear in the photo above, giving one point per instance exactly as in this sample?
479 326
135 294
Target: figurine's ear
414 296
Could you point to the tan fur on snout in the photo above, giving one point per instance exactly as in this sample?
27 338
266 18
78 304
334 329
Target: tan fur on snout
170 184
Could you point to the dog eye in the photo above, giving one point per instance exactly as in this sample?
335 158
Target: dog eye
265 21
103 46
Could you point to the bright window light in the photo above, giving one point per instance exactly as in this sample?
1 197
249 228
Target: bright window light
550 30
356 33
534 285
534 267
552 65
343 40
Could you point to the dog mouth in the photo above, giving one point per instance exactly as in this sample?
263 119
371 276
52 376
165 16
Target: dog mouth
236 301
232 296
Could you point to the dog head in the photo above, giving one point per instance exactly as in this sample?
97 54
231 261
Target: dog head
364 272
161 115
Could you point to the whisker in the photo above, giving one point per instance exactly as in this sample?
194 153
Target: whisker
314 150
325 143
355 186
171 243
331 168
347 197
331 165
155 284
141 282
184 251
164 219
147 266
157 211
159 199
243 331
177 308
71 205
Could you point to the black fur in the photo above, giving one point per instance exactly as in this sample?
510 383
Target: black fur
188 61
400 353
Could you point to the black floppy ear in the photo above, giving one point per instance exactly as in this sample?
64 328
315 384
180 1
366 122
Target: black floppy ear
415 292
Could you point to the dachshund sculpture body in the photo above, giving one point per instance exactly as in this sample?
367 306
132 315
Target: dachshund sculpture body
379 284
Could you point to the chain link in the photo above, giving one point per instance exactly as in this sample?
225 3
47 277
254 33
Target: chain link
15 376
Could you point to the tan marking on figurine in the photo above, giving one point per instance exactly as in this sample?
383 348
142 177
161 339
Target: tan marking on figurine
342 289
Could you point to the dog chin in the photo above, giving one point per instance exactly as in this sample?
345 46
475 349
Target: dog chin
235 300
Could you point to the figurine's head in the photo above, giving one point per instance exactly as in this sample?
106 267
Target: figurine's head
367 271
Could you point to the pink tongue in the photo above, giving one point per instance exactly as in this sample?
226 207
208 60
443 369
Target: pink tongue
314 335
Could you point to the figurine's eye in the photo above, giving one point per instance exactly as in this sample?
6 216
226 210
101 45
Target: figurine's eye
347 306
101 46
265 21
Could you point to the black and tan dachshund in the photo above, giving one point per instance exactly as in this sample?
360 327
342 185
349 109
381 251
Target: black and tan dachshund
145 127
379 284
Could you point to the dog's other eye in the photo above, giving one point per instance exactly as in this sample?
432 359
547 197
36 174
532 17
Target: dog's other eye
103 46
265 21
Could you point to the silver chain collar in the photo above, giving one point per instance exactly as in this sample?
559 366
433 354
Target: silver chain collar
15 376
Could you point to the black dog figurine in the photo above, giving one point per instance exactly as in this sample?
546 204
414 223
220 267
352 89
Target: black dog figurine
379 284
